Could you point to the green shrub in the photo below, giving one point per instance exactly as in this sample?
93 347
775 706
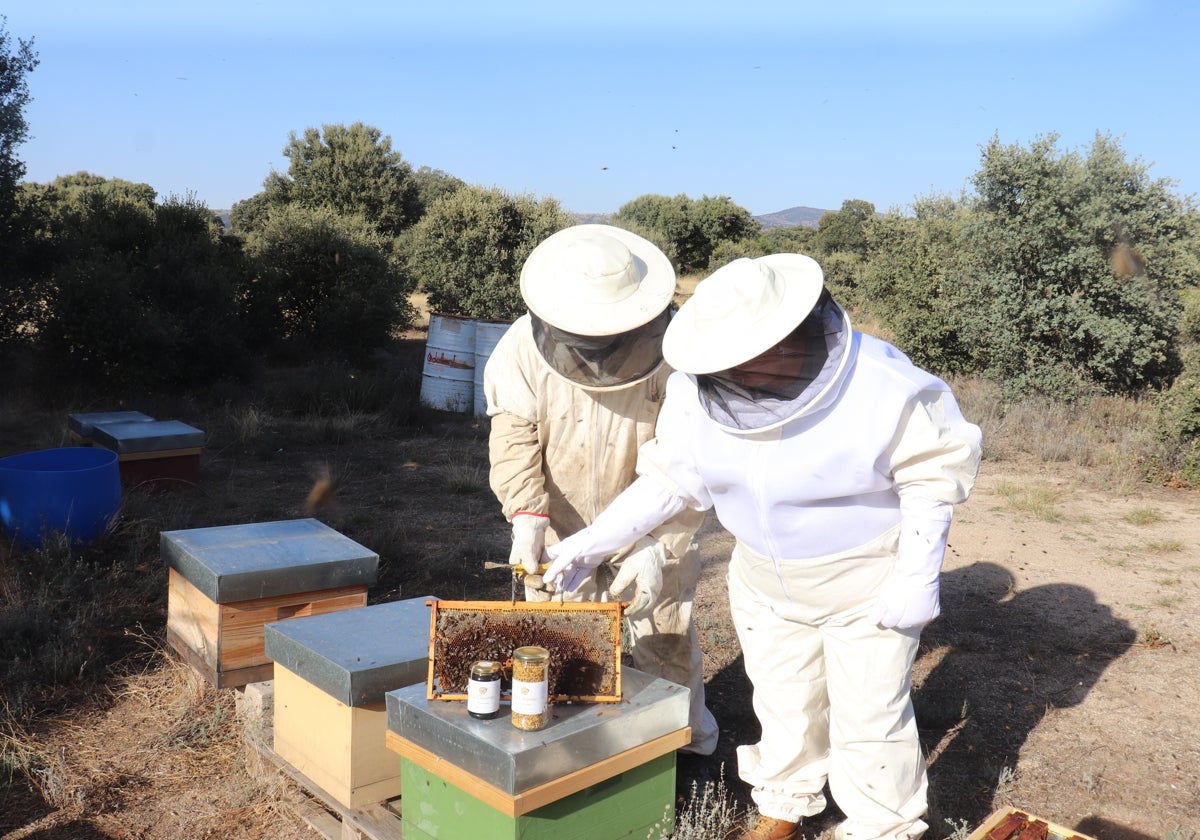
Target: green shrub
468 249
1179 409
322 285
1189 325
143 293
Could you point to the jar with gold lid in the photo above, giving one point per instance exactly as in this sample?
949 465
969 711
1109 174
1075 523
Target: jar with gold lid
530 687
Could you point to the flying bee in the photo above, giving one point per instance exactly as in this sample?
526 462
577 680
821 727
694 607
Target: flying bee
323 489
1126 261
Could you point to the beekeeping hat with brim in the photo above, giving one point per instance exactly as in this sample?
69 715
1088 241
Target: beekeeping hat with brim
741 310
596 280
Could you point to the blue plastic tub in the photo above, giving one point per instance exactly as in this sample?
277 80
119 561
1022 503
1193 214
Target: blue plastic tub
75 490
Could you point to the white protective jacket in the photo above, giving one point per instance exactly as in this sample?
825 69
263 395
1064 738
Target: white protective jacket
832 477
561 449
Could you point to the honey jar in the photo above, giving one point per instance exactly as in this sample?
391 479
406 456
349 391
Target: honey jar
483 690
530 687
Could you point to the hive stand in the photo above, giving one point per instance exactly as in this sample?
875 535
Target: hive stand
226 583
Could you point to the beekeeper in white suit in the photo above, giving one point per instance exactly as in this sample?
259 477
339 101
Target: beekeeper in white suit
835 463
573 388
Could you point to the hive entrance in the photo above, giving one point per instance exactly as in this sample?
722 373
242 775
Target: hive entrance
584 640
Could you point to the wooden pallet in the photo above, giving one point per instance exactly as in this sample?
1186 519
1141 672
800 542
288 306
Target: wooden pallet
331 819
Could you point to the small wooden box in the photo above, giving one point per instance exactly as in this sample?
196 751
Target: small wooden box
226 583
331 674
1018 817
153 454
82 425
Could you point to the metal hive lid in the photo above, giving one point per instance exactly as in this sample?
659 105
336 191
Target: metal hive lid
355 655
231 563
147 436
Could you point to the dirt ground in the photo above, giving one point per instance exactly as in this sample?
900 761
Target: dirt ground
1061 678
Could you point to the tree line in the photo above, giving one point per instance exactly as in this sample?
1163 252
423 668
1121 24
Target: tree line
1062 273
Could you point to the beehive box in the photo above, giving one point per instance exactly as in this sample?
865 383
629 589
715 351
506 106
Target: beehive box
226 583
153 454
331 674
81 425
1015 824
598 771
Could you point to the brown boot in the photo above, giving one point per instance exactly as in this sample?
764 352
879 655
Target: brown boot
768 828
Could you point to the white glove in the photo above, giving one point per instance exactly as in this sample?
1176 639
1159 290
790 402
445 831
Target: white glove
569 566
644 569
529 537
910 597
642 506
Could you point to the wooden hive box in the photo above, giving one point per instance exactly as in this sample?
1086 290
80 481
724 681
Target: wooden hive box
226 583
331 674
598 771
153 454
82 425
1013 823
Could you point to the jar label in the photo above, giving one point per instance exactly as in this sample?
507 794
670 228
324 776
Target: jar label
529 698
483 697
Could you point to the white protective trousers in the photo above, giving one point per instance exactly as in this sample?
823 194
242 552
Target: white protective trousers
831 691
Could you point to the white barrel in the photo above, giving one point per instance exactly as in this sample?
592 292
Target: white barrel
448 377
487 333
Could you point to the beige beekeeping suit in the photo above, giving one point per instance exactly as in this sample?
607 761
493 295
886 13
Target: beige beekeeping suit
563 450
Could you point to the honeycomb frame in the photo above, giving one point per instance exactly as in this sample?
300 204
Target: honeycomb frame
584 640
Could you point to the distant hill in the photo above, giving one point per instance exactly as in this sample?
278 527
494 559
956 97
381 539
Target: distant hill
792 217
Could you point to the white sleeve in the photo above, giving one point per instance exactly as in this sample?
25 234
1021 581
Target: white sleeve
937 452
668 457
641 507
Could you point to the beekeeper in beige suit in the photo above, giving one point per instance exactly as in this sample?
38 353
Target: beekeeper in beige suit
835 463
573 388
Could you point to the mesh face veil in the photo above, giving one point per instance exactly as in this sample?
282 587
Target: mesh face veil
604 361
772 386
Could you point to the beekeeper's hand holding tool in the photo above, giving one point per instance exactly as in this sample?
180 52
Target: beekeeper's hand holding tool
528 540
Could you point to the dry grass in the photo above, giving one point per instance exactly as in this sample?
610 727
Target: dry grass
709 812
1109 440
1038 500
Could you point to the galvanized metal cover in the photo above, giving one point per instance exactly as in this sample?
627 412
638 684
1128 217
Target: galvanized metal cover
143 436
231 563
83 423
357 655
515 760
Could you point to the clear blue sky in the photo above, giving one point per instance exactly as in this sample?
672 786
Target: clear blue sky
774 104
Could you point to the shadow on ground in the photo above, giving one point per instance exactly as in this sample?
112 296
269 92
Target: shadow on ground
993 665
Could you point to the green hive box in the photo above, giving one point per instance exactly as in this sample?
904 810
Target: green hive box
597 771
636 803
